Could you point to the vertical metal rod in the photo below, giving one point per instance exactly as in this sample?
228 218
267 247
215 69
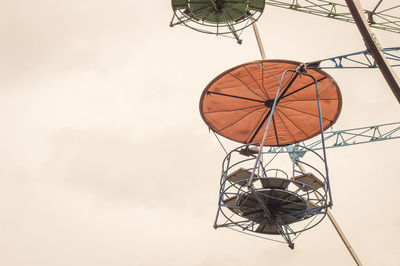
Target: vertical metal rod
259 42
261 47
259 155
322 139
374 47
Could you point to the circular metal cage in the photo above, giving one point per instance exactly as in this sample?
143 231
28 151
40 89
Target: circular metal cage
219 17
271 199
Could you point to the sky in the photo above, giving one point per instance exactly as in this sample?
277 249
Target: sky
105 157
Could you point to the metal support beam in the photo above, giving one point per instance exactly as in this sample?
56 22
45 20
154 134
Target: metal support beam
374 47
347 137
336 226
259 42
343 237
361 59
384 19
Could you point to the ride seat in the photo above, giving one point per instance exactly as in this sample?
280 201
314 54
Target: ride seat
309 179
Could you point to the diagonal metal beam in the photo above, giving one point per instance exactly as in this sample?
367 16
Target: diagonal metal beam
356 15
374 47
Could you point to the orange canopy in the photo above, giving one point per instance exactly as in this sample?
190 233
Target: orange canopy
237 103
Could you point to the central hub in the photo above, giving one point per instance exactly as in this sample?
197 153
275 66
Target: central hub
220 6
269 103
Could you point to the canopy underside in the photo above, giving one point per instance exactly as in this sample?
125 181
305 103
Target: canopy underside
237 104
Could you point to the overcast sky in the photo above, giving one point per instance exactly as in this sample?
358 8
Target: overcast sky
106 160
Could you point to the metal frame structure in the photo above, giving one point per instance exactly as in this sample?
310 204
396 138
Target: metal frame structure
375 19
364 19
361 59
382 19
346 137
374 47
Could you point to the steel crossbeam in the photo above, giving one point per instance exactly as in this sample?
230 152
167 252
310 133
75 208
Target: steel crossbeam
386 19
342 138
361 59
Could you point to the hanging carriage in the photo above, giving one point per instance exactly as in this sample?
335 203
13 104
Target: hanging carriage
272 103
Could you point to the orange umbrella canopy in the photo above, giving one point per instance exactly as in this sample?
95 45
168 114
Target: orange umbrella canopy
237 104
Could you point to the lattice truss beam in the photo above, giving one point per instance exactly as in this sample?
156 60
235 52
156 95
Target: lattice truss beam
342 138
361 59
387 19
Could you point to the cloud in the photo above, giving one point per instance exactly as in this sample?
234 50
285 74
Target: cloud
48 38
171 170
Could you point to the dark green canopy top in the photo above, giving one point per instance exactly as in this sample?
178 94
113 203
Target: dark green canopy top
218 11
